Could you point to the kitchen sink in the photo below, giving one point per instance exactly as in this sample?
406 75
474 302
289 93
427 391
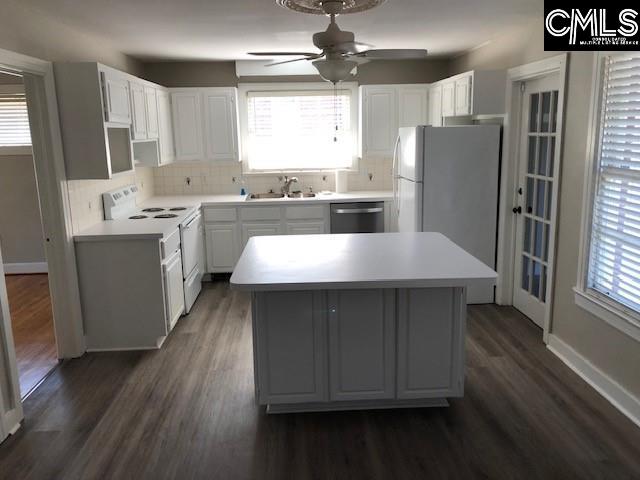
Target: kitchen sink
301 195
259 196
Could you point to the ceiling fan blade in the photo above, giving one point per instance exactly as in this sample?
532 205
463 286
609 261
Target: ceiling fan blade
394 54
352 47
283 54
294 60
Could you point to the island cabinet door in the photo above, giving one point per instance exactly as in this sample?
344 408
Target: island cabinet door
361 344
431 324
290 350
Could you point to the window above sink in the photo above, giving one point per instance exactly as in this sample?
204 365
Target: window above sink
298 127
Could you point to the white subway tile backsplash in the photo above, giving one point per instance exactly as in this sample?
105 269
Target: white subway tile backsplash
227 179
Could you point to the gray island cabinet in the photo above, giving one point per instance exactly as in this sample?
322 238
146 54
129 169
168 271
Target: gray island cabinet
358 320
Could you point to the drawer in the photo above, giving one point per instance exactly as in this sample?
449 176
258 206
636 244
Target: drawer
303 213
260 213
170 244
220 215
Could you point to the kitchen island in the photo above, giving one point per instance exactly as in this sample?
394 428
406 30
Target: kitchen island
358 320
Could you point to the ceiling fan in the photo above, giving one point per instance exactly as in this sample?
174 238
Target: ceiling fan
340 53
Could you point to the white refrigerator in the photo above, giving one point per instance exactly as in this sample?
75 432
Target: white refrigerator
446 180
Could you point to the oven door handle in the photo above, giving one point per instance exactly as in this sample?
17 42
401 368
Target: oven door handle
194 219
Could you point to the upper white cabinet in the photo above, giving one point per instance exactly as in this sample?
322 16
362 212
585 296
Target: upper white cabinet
448 99
187 124
165 128
412 106
151 110
221 123
479 92
435 106
379 119
95 120
116 97
206 124
109 118
139 111
463 95
384 109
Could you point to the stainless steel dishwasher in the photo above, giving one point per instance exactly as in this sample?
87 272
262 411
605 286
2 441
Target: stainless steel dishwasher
357 217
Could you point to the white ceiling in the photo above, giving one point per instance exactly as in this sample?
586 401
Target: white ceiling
227 29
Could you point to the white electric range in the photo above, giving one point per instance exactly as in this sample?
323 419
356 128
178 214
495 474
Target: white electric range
120 205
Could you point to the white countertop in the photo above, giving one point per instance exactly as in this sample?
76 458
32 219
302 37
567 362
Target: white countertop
380 260
161 228
217 200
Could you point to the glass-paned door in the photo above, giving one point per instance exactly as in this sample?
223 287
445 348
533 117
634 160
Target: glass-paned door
536 197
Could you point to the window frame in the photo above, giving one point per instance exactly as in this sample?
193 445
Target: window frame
243 113
611 311
14 150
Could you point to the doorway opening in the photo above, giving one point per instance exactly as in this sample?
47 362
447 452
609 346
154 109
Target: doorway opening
22 242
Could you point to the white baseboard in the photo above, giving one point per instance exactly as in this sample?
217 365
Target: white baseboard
615 393
23 268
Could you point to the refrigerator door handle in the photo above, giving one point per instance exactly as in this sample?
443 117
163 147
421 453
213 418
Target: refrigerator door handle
395 175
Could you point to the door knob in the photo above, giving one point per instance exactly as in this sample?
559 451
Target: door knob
517 210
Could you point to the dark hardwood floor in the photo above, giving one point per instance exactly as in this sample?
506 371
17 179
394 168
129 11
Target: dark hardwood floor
32 326
187 411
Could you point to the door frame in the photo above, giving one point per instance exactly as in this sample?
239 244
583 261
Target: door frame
509 177
55 208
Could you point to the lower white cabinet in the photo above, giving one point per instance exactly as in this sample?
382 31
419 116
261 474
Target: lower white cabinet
360 347
258 230
221 247
292 355
361 344
306 228
430 336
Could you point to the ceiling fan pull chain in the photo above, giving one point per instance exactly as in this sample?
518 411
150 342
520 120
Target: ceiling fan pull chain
335 111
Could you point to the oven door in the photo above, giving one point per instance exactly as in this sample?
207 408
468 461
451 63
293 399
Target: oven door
192 244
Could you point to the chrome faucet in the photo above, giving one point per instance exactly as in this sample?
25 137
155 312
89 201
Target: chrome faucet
287 184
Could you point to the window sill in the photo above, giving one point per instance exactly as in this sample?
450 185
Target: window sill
608 312
17 150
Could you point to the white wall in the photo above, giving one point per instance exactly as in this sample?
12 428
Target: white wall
613 352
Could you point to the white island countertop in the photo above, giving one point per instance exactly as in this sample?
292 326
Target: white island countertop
380 260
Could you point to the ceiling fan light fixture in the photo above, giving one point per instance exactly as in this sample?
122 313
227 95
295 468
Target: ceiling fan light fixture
335 70
316 6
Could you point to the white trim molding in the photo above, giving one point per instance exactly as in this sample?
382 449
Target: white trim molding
611 390
39 85
25 268
509 175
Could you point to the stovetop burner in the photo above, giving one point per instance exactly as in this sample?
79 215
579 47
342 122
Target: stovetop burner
166 215
153 209
177 209
138 217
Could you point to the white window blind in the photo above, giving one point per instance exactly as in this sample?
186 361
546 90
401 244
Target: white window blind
306 130
614 263
14 120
